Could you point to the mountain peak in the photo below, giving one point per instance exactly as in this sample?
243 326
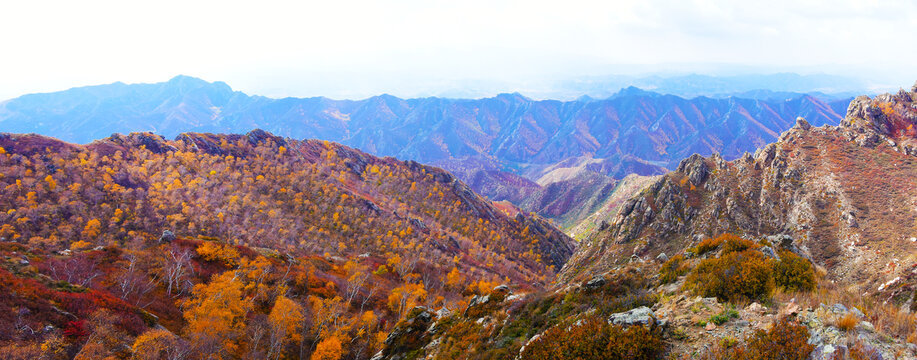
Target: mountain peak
633 91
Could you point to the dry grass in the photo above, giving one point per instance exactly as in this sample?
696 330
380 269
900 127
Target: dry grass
847 322
887 319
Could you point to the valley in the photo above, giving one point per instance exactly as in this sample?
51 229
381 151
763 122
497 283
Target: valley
259 245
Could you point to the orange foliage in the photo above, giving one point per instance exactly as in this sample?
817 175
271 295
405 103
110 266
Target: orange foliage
595 338
328 349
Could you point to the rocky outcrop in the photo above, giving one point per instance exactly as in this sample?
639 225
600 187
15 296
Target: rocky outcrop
816 187
409 335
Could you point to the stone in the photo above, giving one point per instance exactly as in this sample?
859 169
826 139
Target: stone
769 252
839 309
502 288
867 326
856 312
595 282
829 352
754 308
167 236
640 316
710 326
802 123
710 302
791 309
662 257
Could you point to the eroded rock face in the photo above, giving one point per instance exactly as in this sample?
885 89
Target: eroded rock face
409 335
816 187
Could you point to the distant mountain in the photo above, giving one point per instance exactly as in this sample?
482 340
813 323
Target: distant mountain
754 86
510 130
501 145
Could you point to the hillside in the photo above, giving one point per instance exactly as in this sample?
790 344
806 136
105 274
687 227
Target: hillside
498 145
803 251
316 223
844 194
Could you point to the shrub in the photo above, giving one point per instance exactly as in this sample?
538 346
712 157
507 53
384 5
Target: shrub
794 273
708 245
847 322
787 340
724 316
595 338
735 244
673 268
744 275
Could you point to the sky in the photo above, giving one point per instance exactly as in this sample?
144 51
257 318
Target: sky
355 49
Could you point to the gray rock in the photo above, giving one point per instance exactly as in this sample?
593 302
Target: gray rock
856 312
802 123
829 352
662 257
769 252
167 237
503 288
640 316
839 309
595 283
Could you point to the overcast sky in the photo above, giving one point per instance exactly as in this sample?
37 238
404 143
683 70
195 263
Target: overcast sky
353 49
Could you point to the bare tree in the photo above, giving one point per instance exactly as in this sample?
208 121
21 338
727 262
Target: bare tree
133 282
175 269
79 270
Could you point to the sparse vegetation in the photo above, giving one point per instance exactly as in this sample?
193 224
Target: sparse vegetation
786 340
673 268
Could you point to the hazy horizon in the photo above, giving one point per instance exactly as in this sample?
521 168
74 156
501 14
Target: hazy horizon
357 49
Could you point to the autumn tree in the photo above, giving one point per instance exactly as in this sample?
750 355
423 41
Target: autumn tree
328 349
357 274
176 267
159 344
215 316
454 279
285 321
406 297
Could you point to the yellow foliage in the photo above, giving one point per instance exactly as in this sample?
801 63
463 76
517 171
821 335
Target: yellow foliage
212 251
92 229
80 245
215 314
454 279
155 344
51 183
286 318
328 349
406 297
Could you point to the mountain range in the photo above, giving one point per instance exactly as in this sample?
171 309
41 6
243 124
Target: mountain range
507 147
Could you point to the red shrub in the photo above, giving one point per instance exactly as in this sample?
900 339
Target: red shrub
76 329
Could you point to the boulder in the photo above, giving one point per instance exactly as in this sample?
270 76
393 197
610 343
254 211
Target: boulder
829 352
502 289
167 236
801 123
643 316
662 257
